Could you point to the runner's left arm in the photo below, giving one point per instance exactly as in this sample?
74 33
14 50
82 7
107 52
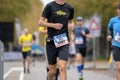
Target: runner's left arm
87 33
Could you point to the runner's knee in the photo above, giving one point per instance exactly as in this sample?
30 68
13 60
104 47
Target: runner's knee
62 67
118 66
52 71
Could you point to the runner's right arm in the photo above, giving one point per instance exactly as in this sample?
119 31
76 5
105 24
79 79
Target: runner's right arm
45 14
109 31
20 41
42 22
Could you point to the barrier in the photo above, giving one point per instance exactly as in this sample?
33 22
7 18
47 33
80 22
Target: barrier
1 60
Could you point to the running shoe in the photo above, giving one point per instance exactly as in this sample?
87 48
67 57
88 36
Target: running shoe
28 70
80 77
24 70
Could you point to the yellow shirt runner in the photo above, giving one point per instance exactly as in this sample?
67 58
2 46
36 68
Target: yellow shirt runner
26 41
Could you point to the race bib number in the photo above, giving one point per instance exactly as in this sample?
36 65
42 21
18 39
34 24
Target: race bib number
79 40
117 37
27 43
60 40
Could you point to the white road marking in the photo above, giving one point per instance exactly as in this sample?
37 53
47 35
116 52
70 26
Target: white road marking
9 72
15 69
21 75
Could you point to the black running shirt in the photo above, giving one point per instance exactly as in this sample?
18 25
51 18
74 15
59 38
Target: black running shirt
56 13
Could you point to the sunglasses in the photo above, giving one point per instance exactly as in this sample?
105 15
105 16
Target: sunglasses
79 20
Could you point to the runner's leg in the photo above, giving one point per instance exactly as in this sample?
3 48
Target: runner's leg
118 70
51 73
24 61
62 69
79 62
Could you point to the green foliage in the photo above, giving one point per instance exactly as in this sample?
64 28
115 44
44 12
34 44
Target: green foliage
86 8
9 9
31 18
28 11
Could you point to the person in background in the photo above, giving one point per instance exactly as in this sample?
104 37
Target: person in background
34 49
79 37
25 41
72 53
113 34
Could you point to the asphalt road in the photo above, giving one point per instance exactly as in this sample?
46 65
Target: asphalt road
13 71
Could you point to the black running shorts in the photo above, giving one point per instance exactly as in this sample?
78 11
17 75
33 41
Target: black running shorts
116 53
52 53
25 54
80 50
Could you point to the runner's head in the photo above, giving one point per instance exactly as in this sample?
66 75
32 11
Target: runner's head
26 31
79 20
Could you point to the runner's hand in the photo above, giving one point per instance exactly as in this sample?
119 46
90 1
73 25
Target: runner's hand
83 33
58 26
109 38
24 45
71 26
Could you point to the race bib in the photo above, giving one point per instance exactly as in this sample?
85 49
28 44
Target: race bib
27 43
60 40
117 37
79 40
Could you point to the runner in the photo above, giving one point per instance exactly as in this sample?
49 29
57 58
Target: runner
114 32
43 31
25 41
34 50
58 13
72 53
79 36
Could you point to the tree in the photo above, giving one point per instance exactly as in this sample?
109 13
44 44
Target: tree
9 9
27 11
31 18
